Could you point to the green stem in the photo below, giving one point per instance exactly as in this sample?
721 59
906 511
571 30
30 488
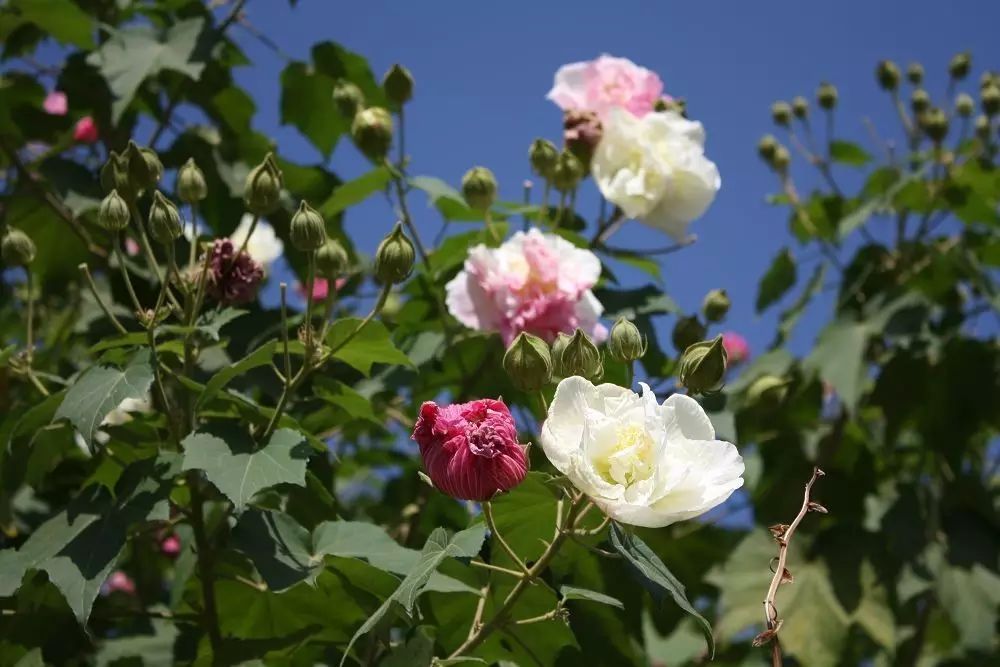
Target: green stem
284 331
488 515
158 377
310 287
30 337
85 270
629 374
243 246
206 566
116 248
193 250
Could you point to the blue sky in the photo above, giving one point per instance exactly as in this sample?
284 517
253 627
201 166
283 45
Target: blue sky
482 72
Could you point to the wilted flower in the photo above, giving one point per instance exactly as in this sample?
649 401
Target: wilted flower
582 132
470 450
55 103
232 279
642 463
604 84
737 348
85 130
654 168
539 283
264 246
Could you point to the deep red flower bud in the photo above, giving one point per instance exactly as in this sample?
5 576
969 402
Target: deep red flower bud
470 450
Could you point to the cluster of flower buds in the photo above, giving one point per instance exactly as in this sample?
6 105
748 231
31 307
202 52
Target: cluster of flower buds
703 366
133 171
17 248
528 363
394 257
775 155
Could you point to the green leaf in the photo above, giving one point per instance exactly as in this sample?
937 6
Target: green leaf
6 353
447 199
356 191
632 303
883 196
62 19
156 648
417 651
971 597
307 104
779 278
100 389
655 576
262 356
229 457
372 345
346 398
574 593
790 316
211 323
849 153
838 358
439 546
136 52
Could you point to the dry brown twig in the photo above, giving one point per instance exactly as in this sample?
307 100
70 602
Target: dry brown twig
783 535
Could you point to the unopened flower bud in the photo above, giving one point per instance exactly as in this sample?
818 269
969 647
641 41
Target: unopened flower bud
581 357
347 99
144 167
114 214
767 391
935 124
17 248
915 73
964 105
262 192
307 229
191 186
989 98
557 349
986 78
394 257
782 158
781 113
331 259
372 132
479 188
568 172
114 176
766 147
959 66
887 74
920 101
826 96
164 221
983 128
398 85
800 107
625 342
543 155
703 365
528 362
716 305
688 331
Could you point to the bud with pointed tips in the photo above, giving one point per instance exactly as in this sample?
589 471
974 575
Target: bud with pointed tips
144 167
716 305
394 257
625 342
479 188
964 105
307 229
347 98
800 107
17 248
959 66
703 365
114 214
528 362
781 113
887 74
372 132
920 101
826 96
262 191
989 98
164 221
543 155
688 331
767 391
398 85
114 176
331 259
581 357
568 172
191 186
558 347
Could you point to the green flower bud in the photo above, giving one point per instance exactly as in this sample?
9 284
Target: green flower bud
826 96
989 98
887 74
983 128
331 259
568 172
398 85
920 101
716 305
800 107
114 176
347 99
688 331
191 186
144 167
935 124
986 78
262 192
543 155
766 148
964 105
164 221
307 230
17 248
960 64
703 365
114 214
767 391
782 158
915 73
479 188
625 342
528 363
394 257
677 105
581 357
781 113
558 347
372 132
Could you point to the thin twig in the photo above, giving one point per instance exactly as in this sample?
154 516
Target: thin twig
488 514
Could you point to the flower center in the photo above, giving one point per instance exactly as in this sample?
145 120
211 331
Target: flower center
631 459
484 440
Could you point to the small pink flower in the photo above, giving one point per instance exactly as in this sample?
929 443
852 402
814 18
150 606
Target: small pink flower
539 283
131 247
470 450
232 280
606 83
736 346
85 130
118 582
171 546
55 103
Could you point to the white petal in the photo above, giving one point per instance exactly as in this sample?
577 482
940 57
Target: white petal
686 417
569 89
562 432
